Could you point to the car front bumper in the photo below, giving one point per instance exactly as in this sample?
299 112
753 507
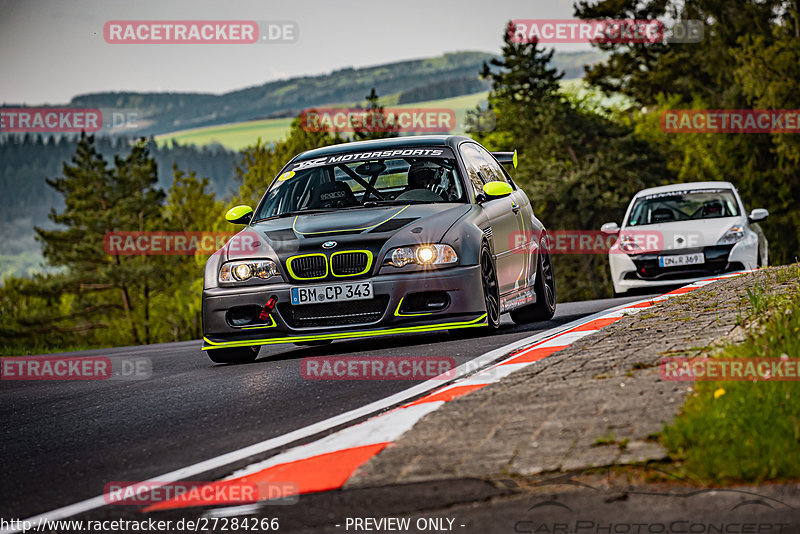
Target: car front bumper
462 285
642 271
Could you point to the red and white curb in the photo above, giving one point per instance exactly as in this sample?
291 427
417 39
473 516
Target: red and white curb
328 463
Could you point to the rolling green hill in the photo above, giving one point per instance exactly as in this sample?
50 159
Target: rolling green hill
232 120
239 135
417 80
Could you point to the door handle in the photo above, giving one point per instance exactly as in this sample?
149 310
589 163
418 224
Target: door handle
515 207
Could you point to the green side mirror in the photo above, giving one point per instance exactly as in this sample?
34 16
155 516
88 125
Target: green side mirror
497 189
239 215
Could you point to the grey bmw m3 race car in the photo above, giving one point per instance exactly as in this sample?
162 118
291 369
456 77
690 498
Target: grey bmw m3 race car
376 238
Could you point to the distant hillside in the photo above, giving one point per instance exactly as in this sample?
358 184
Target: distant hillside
239 135
25 162
232 119
411 81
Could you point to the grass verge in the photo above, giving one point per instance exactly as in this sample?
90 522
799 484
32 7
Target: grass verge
730 432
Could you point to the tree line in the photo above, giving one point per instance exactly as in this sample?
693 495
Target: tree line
580 164
581 161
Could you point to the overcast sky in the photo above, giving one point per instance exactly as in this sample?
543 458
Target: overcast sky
53 50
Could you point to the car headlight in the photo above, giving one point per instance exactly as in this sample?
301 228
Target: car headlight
627 242
422 255
735 233
240 271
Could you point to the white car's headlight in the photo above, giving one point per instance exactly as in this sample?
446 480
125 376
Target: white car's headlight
627 242
735 233
422 255
240 271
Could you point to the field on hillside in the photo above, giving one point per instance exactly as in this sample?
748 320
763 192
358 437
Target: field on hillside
242 134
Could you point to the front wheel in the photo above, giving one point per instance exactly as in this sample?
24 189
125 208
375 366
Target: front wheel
234 355
491 297
545 287
491 290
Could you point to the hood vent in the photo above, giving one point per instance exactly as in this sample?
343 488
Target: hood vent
392 224
282 235
332 233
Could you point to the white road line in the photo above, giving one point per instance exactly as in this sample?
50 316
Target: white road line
396 399
386 428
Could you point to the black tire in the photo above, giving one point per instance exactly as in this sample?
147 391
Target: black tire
491 289
545 287
234 355
491 297
317 343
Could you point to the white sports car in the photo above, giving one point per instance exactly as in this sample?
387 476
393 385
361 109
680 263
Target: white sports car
677 234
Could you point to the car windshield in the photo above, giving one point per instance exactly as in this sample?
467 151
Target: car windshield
360 180
683 206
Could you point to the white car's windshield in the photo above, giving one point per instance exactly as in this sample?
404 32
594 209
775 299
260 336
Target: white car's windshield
363 183
683 206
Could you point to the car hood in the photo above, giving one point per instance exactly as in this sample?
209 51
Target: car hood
685 234
362 228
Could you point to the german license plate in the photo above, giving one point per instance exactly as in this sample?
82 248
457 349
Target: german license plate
332 293
680 260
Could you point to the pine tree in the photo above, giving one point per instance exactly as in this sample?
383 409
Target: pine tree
376 123
578 167
98 200
524 96
260 163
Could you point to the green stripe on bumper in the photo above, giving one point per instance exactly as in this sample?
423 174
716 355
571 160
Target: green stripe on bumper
210 345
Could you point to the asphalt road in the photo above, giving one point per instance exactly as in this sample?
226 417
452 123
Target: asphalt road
64 440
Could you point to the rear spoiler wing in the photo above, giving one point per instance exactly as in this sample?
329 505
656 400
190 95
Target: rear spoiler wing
506 158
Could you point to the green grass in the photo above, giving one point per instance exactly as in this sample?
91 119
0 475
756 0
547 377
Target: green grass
606 439
239 135
235 136
731 432
591 98
757 297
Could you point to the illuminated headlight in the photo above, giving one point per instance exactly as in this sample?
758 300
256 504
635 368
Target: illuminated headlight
627 242
422 255
243 271
734 234
426 255
239 271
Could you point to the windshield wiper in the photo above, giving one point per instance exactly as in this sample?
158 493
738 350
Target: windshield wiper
294 213
374 203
